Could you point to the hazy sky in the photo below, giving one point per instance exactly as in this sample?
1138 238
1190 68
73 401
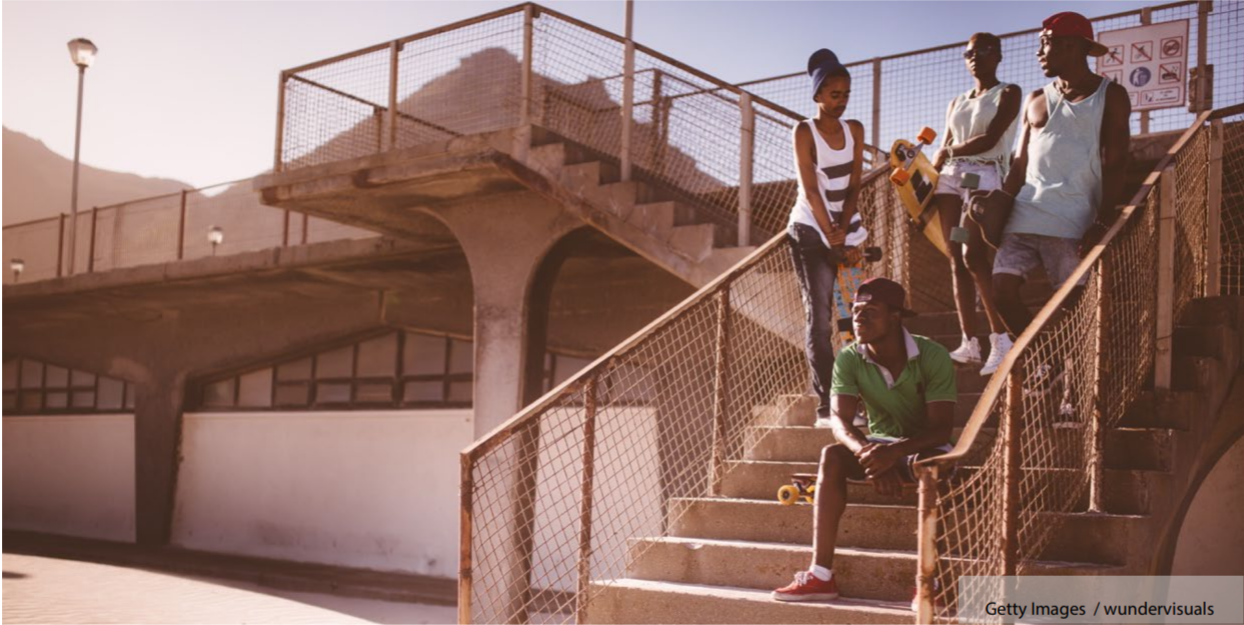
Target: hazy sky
187 90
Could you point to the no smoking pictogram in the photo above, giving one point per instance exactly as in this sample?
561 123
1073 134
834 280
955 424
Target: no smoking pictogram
1172 47
1142 51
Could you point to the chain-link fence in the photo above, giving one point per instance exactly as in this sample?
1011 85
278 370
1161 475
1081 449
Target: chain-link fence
221 219
894 96
1038 429
554 502
1229 193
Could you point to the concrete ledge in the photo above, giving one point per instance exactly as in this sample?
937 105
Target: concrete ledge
297 576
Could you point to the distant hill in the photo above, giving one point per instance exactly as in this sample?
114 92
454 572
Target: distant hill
37 182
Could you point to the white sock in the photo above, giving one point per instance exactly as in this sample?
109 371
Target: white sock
821 572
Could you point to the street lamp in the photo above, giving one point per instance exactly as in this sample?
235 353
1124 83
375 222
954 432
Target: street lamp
215 236
82 52
18 266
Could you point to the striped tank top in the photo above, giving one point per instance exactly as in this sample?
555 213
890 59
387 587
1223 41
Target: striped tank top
833 174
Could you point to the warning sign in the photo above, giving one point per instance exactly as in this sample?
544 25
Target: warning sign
1151 62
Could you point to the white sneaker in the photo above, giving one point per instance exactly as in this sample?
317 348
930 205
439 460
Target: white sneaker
999 345
968 352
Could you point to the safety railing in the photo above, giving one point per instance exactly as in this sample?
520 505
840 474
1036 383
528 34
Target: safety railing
555 502
531 67
1072 374
894 96
221 219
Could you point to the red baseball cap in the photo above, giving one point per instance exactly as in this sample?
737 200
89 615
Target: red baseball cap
1072 24
885 291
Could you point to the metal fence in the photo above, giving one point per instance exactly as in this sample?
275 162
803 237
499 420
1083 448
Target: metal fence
1073 373
894 96
528 67
161 229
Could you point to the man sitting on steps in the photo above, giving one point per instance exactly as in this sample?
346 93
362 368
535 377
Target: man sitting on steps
908 386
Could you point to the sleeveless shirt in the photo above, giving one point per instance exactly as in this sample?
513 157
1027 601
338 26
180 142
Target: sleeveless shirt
833 174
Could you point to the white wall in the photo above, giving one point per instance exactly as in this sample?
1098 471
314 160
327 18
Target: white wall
367 489
70 474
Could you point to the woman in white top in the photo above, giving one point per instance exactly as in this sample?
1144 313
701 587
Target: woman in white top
980 135
824 224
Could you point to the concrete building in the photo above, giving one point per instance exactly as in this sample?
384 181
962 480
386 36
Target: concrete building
458 222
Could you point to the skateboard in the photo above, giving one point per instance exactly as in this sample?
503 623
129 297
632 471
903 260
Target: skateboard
991 221
802 486
850 275
915 180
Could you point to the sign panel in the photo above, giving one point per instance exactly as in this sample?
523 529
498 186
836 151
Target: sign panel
1151 62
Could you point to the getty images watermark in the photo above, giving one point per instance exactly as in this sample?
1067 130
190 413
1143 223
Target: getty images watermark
1102 599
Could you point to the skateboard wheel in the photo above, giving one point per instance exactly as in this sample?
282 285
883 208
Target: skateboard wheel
811 491
788 495
900 176
970 181
872 254
959 235
927 135
809 500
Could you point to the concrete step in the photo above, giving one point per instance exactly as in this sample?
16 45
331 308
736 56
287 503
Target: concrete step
1126 491
1174 411
861 573
644 601
695 242
804 412
1096 538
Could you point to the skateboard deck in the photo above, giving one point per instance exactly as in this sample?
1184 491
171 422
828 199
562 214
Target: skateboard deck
850 275
915 180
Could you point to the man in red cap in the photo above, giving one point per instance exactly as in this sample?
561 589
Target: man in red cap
1068 174
907 383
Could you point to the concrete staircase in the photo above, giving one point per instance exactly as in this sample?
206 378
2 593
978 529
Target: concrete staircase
658 221
723 555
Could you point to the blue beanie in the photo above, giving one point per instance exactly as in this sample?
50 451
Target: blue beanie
821 65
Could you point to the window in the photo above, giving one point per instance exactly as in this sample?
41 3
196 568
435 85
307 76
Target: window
393 370
34 387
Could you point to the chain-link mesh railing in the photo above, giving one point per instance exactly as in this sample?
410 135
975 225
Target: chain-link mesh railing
1230 196
638 434
1037 432
162 229
915 87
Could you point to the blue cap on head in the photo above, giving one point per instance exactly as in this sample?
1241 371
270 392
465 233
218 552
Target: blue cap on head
821 65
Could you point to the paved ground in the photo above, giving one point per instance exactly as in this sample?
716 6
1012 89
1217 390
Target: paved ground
48 590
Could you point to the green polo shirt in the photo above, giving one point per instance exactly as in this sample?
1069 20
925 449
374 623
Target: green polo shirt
896 408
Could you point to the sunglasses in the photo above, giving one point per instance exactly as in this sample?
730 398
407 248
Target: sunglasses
971 54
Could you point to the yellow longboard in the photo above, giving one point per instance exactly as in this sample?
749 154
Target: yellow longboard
915 180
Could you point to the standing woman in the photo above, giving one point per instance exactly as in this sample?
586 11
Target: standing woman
824 221
980 135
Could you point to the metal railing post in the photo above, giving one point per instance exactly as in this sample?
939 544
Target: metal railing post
181 228
1146 18
747 148
628 92
585 508
927 547
277 161
522 135
394 48
1012 422
466 530
1097 421
1166 281
1213 214
60 247
90 248
1204 8
285 230
721 389
876 103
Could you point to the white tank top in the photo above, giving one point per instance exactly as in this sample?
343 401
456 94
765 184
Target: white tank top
971 116
833 174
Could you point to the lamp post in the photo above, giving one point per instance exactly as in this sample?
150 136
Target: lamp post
215 236
82 52
18 266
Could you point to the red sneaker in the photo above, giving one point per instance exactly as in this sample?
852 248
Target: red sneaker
807 587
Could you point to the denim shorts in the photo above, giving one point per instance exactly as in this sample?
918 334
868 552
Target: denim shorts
1019 254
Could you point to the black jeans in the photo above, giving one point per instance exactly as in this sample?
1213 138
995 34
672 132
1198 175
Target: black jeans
816 271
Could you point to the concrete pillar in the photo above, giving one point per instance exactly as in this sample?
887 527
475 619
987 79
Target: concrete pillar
504 242
157 442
